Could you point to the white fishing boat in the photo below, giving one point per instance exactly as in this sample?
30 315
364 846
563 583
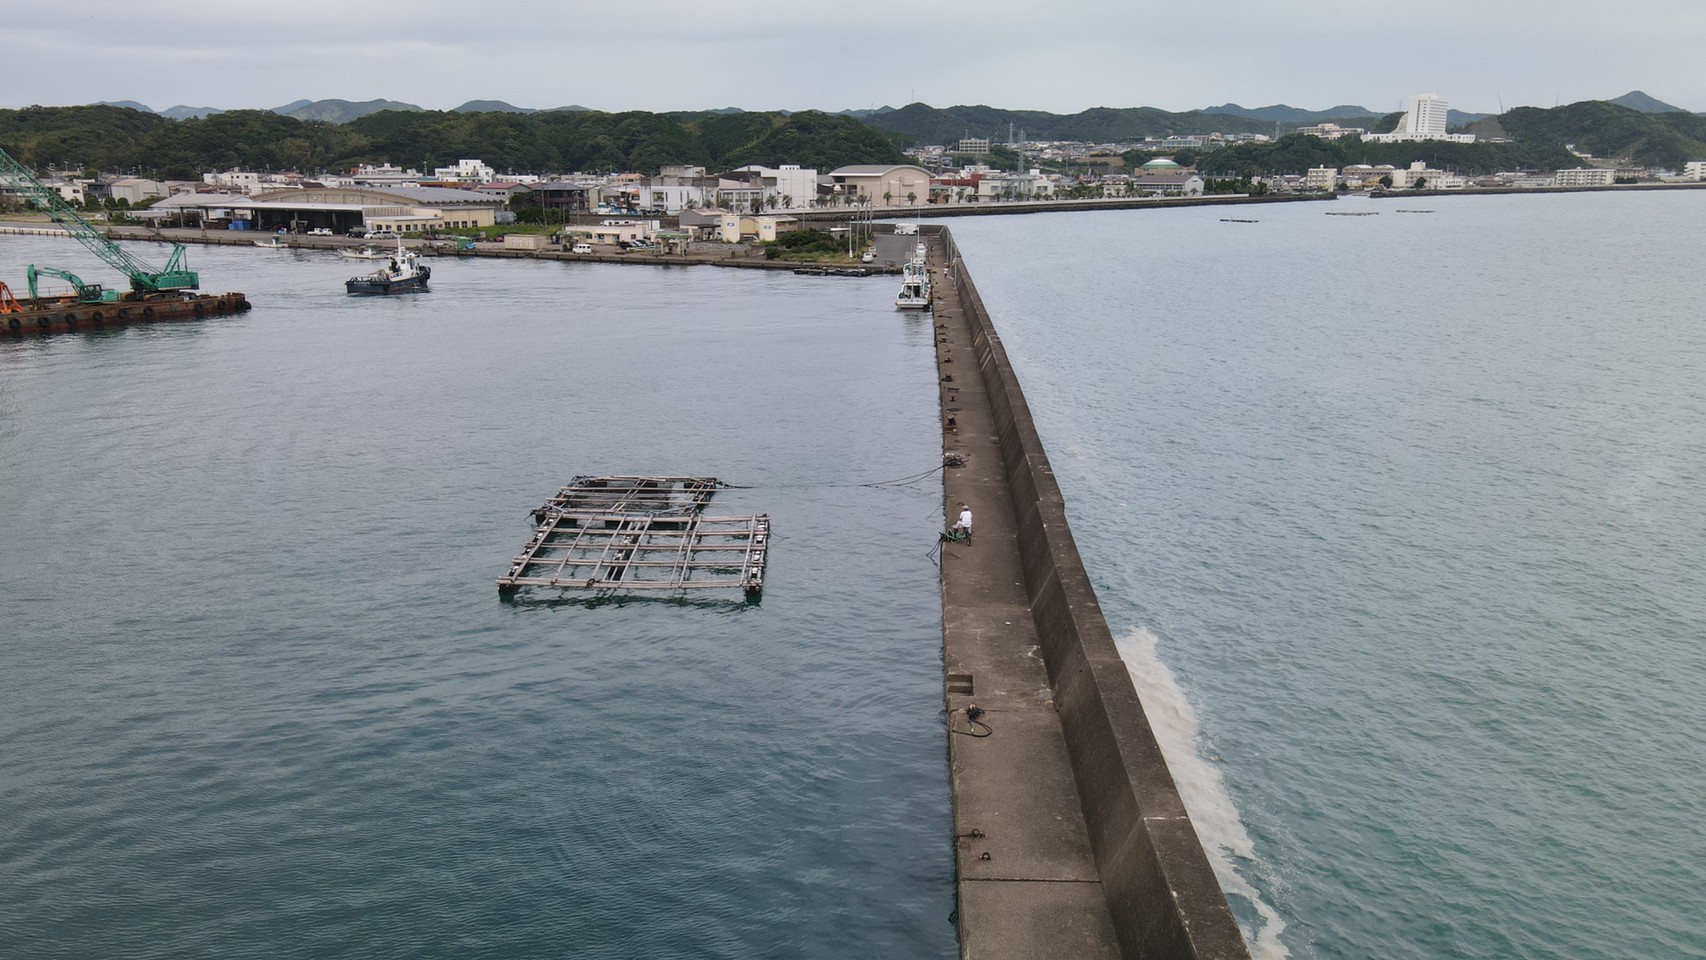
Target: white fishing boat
272 243
366 251
914 283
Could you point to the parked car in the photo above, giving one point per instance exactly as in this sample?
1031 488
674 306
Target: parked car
581 248
379 235
320 232
868 257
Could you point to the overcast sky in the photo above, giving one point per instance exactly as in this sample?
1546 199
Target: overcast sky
1062 56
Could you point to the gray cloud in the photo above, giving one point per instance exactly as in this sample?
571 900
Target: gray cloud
670 54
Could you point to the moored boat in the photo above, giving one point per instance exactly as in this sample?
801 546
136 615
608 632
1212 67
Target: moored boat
914 283
366 251
403 273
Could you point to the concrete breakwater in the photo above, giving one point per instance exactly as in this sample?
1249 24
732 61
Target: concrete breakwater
1071 837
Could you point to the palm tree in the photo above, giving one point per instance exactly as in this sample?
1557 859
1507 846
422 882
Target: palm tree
787 202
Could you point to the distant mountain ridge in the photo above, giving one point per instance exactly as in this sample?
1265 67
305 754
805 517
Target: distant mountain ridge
921 123
341 111
1282 113
491 106
1636 100
181 112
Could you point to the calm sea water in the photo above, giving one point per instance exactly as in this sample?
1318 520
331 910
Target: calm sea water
259 696
1402 522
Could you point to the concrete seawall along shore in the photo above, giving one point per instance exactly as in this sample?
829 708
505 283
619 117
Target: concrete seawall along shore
1070 836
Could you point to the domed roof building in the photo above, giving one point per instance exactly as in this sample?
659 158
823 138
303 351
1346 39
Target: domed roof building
1161 165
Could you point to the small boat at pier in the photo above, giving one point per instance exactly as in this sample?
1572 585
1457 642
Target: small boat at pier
914 283
273 243
403 273
366 251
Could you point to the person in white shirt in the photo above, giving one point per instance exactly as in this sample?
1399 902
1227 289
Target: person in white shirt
964 522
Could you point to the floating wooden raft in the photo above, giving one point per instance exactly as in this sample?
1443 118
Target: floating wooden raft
640 533
631 495
610 551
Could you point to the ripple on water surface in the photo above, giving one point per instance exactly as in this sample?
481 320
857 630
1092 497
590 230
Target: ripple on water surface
1413 510
263 699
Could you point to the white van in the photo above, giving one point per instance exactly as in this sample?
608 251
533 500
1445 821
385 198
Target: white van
581 248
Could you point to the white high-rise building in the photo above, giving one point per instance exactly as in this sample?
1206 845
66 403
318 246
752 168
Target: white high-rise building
1424 119
1425 116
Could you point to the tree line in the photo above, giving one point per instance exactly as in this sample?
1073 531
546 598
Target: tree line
1296 153
117 139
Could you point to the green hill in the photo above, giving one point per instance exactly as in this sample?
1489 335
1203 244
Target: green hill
114 138
1607 130
90 137
920 123
1538 142
1297 153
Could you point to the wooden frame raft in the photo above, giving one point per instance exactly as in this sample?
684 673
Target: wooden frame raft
646 534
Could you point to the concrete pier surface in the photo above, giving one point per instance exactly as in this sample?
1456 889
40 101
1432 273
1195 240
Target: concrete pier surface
1070 837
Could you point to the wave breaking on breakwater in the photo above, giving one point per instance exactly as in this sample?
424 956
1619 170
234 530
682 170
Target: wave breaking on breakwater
1201 786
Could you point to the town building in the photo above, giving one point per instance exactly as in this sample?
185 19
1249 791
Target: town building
1585 177
610 231
1694 170
954 188
381 177
136 189
1424 119
974 145
1331 131
242 181
1167 185
562 196
465 171
793 186
1321 178
71 191
402 209
1419 176
887 184
1014 186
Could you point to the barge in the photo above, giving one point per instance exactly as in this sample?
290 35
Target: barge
68 314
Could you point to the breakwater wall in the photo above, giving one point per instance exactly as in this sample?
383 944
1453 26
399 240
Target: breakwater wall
1161 895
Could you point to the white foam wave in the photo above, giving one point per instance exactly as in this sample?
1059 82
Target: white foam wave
1202 787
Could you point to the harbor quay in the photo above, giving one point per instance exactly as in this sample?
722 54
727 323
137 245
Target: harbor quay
708 253
1071 839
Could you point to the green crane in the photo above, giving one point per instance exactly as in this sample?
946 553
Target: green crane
144 278
86 292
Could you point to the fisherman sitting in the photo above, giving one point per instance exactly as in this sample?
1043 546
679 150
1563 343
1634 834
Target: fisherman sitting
961 530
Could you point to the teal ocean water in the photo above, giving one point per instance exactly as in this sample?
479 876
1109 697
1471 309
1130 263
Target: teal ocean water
1401 520
259 696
